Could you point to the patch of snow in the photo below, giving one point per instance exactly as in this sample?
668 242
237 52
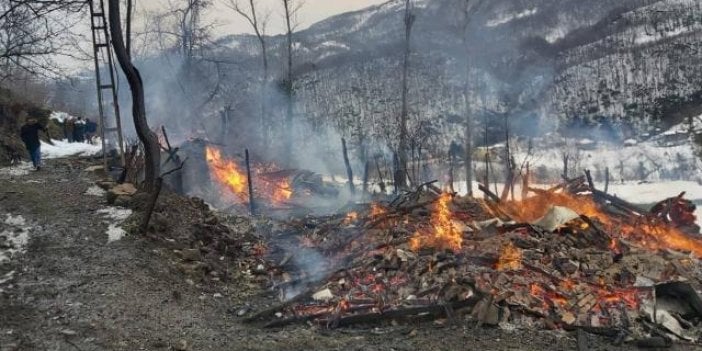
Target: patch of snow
683 128
95 191
7 277
17 171
648 193
65 149
115 233
117 215
60 116
17 221
556 34
234 43
645 38
15 238
503 19
653 160
333 44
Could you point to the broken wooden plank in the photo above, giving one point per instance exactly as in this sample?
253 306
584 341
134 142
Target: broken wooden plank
489 193
431 311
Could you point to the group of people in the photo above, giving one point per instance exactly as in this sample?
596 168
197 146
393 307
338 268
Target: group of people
79 130
75 130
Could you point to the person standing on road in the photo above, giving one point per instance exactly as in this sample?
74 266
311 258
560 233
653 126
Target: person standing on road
30 136
70 124
90 131
79 130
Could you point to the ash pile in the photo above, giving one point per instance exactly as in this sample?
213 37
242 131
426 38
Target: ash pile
569 257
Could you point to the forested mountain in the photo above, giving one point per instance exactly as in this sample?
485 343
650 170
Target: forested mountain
535 65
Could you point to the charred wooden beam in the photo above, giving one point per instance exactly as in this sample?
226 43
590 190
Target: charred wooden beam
589 179
252 204
380 176
366 170
431 311
349 171
265 313
606 187
489 193
525 182
617 202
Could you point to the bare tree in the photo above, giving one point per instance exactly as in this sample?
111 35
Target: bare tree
465 11
193 34
128 27
147 137
31 35
291 8
401 169
251 15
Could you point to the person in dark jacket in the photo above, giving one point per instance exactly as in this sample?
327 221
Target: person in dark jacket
69 126
79 130
90 131
30 136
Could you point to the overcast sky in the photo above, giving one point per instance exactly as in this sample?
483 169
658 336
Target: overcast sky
312 11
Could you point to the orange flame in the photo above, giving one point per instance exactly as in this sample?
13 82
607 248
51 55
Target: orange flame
647 232
351 217
377 210
282 191
614 246
552 297
510 258
445 235
628 297
228 173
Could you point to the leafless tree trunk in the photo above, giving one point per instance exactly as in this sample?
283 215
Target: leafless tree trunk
192 33
468 135
468 8
259 27
401 169
146 136
290 10
128 27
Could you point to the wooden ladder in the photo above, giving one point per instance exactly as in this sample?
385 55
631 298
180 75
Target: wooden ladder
110 128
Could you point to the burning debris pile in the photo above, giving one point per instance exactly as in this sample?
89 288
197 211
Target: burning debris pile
566 257
271 186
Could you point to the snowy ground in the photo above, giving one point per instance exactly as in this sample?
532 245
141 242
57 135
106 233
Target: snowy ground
19 170
671 155
63 148
116 216
60 116
645 194
14 236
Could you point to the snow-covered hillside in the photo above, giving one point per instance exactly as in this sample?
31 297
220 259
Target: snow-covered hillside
623 68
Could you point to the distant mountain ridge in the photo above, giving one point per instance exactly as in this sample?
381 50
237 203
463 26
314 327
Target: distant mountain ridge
535 65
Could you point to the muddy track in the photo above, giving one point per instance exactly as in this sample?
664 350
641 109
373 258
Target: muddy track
73 290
